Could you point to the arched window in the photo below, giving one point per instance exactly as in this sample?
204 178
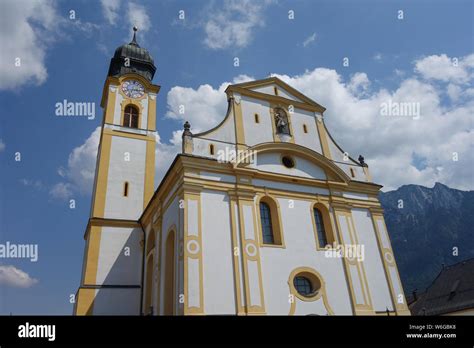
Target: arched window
270 225
266 219
322 237
130 117
281 121
148 309
257 119
169 274
305 128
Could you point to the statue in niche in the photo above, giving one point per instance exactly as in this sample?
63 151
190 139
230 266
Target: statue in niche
281 121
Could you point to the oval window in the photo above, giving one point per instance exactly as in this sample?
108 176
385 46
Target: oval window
306 284
288 162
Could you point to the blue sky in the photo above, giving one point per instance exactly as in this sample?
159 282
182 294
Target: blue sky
427 57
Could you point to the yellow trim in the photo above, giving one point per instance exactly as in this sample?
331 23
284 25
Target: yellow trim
239 123
85 301
247 199
92 261
110 107
321 293
273 98
125 134
323 138
102 175
149 180
149 280
366 307
401 309
192 193
236 261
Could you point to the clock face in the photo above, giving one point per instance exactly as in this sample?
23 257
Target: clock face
133 89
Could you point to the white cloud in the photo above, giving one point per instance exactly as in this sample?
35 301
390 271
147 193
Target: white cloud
26 25
28 29
2 145
62 191
14 277
37 184
309 39
233 24
204 107
359 83
446 69
377 57
137 16
110 10
80 171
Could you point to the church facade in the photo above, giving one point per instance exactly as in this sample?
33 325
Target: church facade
263 214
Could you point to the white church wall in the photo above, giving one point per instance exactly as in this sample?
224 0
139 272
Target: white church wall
121 171
378 286
120 256
300 251
117 302
118 102
225 132
271 162
256 133
290 187
144 114
217 176
201 147
310 139
218 273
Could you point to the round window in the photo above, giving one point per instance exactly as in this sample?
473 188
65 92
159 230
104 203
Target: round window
288 162
306 284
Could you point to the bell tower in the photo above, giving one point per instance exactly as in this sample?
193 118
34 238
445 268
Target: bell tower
123 186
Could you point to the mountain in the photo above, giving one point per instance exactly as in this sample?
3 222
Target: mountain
426 229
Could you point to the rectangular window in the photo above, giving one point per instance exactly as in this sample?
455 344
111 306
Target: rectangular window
125 189
266 220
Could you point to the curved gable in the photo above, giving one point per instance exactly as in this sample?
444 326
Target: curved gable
308 163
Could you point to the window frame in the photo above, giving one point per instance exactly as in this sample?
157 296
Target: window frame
275 216
330 236
124 116
317 283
